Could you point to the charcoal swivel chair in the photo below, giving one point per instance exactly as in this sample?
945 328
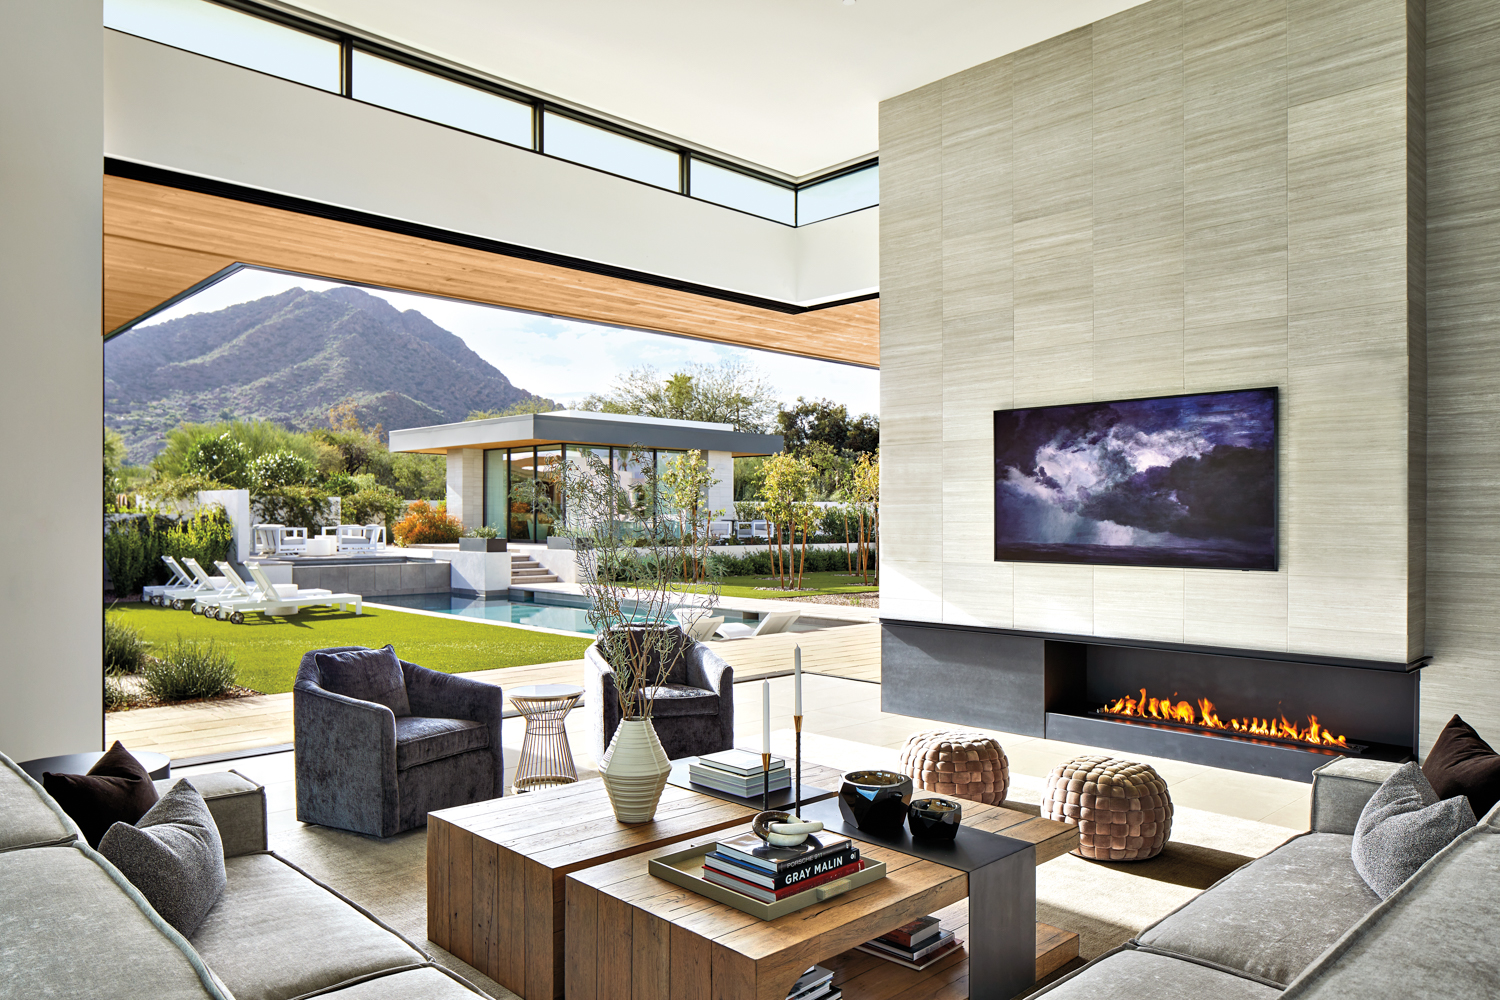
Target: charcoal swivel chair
693 712
380 742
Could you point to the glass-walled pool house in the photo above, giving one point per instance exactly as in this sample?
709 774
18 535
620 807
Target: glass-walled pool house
503 472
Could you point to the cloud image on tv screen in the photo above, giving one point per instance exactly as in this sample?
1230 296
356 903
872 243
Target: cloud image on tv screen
1171 481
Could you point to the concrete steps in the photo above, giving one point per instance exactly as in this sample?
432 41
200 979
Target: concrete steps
524 569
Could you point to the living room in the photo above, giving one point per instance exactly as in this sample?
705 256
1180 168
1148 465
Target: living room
1078 208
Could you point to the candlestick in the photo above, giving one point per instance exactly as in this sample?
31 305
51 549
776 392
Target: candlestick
797 806
797 673
765 782
765 738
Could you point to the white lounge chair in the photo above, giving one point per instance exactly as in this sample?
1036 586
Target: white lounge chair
351 538
698 623
269 598
182 582
208 589
776 621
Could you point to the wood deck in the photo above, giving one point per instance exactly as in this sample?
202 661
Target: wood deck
215 727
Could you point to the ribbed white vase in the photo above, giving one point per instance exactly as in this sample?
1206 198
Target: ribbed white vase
635 770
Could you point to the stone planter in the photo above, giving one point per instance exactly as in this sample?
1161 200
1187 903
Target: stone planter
635 770
481 545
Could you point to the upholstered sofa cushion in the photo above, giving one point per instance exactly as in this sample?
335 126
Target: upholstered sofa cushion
28 816
367 674
420 740
276 934
429 983
1434 937
1272 917
1402 826
1141 975
1461 763
71 926
675 700
173 855
117 789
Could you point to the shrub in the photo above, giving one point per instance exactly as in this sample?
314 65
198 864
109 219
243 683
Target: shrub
124 649
426 524
483 531
221 458
373 505
294 506
207 536
278 469
115 697
189 669
129 552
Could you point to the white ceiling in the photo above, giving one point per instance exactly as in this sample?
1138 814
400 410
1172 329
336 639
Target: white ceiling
792 85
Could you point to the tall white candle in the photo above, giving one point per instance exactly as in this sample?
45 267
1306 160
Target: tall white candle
765 740
798 674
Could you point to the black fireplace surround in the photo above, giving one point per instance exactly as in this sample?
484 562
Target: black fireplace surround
1039 684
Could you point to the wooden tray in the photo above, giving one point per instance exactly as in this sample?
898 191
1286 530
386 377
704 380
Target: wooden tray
685 868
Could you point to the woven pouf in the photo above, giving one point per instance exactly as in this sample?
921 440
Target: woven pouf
1121 807
961 764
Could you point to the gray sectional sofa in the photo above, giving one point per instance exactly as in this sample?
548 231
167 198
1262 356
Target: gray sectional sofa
72 926
1301 923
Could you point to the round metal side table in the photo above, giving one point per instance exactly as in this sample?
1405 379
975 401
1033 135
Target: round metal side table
546 757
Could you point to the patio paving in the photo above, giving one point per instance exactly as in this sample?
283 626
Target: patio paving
186 732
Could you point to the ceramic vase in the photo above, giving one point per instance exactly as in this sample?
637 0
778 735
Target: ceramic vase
635 770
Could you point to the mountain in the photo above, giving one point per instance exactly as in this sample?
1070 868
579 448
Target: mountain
290 358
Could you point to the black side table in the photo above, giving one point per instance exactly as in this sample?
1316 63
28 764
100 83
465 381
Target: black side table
158 765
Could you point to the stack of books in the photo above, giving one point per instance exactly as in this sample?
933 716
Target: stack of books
915 945
750 866
739 772
815 984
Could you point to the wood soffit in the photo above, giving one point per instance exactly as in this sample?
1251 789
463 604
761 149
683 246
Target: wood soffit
160 241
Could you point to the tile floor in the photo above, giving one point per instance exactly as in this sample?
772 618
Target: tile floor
849 710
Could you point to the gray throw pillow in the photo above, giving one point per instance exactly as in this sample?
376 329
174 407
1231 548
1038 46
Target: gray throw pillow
367 674
173 855
1402 826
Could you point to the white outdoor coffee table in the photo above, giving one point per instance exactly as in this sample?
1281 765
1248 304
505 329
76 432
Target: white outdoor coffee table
546 757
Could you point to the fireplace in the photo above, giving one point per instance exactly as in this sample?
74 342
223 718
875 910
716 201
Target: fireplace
1264 713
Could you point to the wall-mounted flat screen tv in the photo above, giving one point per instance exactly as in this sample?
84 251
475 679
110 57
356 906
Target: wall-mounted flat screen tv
1168 481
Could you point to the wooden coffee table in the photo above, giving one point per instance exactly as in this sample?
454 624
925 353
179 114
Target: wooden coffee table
632 936
495 869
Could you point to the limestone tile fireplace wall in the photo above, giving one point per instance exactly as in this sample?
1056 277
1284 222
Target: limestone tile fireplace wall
1190 196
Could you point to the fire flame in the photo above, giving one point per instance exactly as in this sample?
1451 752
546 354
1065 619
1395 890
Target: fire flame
1206 716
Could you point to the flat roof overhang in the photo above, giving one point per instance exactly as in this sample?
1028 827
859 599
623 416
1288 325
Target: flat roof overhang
594 430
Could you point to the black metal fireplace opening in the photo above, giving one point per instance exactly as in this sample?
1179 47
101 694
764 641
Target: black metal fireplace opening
1057 686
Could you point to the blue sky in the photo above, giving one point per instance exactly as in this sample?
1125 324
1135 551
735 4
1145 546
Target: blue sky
564 359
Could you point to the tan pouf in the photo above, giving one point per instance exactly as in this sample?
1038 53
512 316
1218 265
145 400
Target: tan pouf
962 764
1121 807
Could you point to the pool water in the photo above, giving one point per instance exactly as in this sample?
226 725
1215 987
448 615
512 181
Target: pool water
498 609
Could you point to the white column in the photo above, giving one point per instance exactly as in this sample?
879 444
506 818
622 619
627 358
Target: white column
51 251
466 485
721 494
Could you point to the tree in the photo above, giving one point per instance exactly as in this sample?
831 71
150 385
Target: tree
731 392
782 492
685 482
822 422
863 492
536 404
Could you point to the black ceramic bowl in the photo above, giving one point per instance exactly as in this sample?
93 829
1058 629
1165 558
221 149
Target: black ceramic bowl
875 800
934 819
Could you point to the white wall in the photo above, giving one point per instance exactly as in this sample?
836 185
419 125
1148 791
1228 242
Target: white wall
51 406
188 113
466 485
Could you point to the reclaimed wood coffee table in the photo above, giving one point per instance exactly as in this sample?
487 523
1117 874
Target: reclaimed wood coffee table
495 869
632 936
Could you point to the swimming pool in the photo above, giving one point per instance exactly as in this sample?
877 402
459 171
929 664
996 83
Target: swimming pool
565 618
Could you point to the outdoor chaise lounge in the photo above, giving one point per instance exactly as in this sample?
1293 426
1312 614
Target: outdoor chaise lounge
698 623
182 586
776 621
270 598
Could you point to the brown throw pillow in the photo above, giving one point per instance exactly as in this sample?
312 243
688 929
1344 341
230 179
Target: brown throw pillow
116 790
1460 763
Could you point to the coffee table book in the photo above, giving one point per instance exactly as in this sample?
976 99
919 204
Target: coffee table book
685 868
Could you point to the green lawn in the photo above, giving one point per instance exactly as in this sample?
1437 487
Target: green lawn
812 583
267 651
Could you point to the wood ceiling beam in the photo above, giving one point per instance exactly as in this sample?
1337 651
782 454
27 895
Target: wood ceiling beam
160 241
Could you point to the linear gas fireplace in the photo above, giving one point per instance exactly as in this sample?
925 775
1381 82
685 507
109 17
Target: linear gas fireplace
1263 713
